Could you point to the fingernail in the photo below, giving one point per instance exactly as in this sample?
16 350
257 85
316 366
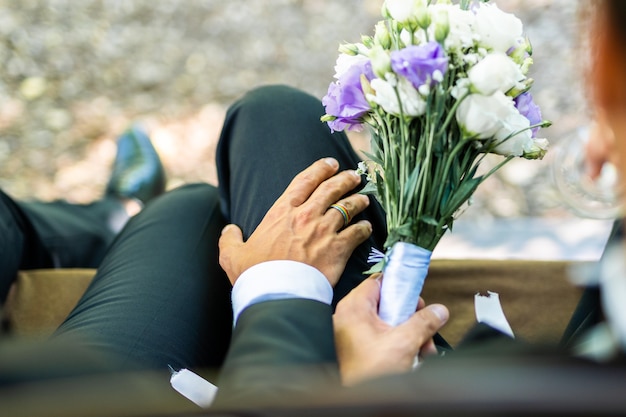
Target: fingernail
228 226
440 311
332 162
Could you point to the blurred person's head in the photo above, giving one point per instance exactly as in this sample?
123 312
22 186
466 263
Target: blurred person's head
606 82
607 86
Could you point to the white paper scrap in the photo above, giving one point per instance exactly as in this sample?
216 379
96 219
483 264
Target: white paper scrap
193 387
489 311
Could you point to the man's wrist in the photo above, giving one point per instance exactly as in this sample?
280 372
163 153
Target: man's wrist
278 280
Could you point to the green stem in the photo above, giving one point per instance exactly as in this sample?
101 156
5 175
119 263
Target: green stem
497 167
452 113
450 158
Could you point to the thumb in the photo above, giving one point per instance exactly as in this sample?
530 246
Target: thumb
369 292
423 325
231 236
363 299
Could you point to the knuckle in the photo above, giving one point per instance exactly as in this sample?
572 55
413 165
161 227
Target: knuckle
334 187
357 233
314 175
405 344
308 179
364 201
364 230
302 217
348 204
431 321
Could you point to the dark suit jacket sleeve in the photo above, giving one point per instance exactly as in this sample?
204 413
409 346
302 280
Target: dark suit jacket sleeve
280 350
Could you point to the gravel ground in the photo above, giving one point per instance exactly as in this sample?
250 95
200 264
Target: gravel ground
76 73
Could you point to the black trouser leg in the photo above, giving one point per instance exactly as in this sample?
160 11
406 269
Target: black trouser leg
74 235
269 136
159 297
20 246
55 234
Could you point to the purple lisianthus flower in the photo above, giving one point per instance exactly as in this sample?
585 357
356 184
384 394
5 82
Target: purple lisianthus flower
345 99
418 64
527 108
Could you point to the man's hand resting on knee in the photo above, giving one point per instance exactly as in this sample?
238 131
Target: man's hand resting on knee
301 227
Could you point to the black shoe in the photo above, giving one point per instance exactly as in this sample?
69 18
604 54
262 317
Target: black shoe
137 170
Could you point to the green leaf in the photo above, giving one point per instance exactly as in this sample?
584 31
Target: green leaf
462 194
403 233
369 189
429 220
375 268
456 169
446 195
450 223
373 158
411 185
405 229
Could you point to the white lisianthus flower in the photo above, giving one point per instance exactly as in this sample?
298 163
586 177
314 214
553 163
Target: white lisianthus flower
497 30
515 137
495 72
482 116
345 62
412 103
405 10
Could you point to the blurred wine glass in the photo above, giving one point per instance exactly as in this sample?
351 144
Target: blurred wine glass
598 198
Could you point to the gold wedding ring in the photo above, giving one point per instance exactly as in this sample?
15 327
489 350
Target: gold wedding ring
344 213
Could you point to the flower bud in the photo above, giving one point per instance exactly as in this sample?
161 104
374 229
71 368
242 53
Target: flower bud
368 41
384 11
521 52
528 62
521 87
349 49
442 25
366 87
328 118
537 150
381 35
528 45
422 16
381 61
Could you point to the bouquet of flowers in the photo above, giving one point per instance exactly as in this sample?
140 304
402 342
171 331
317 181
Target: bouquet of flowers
441 85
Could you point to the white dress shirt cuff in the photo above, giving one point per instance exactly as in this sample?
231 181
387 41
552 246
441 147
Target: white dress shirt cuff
279 280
